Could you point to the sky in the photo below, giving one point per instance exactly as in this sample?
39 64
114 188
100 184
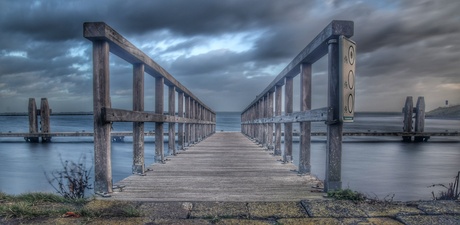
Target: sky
226 52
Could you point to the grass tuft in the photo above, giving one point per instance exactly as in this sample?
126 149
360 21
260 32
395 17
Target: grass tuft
347 194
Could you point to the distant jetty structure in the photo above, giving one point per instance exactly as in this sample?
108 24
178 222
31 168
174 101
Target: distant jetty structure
413 129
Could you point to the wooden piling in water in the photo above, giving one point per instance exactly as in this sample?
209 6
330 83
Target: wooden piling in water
45 114
33 122
420 119
407 122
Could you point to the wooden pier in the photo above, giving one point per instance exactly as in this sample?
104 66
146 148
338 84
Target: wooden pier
226 166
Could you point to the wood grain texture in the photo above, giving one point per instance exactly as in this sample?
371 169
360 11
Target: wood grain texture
224 167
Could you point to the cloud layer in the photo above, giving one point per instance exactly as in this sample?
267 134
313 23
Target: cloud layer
226 52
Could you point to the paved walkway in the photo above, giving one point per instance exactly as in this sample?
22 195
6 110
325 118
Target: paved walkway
262 213
224 167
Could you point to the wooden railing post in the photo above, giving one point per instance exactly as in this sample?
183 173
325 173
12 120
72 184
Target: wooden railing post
180 113
288 97
188 125
334 127
138 127
159 109
278 103
200 126
270 125
263 126
45 126
305 127
172 126
33 120
193 116
101 100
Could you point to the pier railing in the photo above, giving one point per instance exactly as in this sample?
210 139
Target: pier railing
195 121
258 118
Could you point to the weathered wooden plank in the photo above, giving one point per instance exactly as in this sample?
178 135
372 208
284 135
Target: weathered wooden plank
334 128
101 99
224 167
120 46
315 115
122 115
305 127
316 49
138 127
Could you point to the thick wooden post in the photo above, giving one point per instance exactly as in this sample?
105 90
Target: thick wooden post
278 103
138 127
101 100
45 119
33 122
407 123
159 108
288 97
270 125
334 127
305 127
172 126
420 119
180 113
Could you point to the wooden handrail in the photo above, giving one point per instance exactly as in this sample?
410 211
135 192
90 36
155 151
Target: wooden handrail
257 118
199 119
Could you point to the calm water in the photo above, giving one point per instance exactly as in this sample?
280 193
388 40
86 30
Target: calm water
374 165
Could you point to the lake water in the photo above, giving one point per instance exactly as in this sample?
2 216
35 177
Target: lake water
377 166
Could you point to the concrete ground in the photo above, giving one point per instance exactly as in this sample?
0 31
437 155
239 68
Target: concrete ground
289 212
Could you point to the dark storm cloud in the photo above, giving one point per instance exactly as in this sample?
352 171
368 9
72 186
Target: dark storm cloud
203 17
400 44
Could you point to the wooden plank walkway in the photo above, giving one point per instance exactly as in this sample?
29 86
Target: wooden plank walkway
226 166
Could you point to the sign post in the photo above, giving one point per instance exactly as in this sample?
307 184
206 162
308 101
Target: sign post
347 56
